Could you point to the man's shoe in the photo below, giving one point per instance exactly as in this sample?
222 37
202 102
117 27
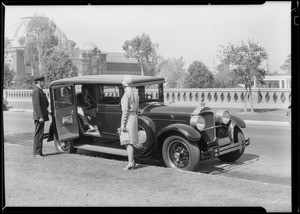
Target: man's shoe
38 156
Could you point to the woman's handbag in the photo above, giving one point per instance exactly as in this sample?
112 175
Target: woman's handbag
124 137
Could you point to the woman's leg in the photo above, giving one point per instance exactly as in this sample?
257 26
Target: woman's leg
131 163
130 152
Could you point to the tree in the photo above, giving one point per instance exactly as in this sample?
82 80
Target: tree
8 73
245 59
198 76
224 77
173 71
8 76
287 65
58 65
143 50
39 42
24 82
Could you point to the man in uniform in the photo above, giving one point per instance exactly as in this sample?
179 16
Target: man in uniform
40 115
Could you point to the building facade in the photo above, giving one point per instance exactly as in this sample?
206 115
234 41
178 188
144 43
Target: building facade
278 81
88 58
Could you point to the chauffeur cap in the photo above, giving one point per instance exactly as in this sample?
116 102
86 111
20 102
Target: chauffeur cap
39 78
127 80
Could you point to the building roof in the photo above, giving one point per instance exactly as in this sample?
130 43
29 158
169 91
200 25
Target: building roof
17 30
138 80
114 57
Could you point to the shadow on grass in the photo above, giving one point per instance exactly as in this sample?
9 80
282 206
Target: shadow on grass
216 166
141 164
51 154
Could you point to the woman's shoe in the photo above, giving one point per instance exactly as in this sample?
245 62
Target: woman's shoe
130 166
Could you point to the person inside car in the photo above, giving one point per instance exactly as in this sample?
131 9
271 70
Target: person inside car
67 97
88 103
87 127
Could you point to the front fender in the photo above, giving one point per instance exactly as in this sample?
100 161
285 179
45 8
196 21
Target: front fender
236 121
189 132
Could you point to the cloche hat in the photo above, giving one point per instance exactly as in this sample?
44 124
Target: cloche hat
127 80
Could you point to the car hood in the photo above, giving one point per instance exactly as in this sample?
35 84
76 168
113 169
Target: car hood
161 108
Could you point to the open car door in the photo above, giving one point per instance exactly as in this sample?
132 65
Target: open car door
65 112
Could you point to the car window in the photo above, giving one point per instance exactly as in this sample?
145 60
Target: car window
108 94
85 94
63 97
148 93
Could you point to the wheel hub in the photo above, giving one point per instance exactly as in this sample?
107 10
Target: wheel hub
179 155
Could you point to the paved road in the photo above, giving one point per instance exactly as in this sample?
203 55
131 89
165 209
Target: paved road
267 159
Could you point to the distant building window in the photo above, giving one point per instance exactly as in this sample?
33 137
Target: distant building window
282 84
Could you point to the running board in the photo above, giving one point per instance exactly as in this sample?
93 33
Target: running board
121 152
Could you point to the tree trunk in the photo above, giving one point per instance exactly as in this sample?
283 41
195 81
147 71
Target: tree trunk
40 60
245 99
251 99
142 70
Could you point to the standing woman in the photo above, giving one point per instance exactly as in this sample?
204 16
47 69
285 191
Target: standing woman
129 120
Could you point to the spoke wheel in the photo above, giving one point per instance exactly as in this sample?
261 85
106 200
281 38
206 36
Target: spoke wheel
64 146
180 154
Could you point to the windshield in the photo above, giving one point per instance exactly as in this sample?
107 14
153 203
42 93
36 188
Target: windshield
151 93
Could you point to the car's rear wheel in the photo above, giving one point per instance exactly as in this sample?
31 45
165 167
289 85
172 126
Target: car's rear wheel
233 156
64 146
180 154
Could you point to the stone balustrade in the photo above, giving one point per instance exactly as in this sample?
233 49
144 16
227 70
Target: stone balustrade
263 98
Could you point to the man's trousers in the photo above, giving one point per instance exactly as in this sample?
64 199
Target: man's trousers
38 138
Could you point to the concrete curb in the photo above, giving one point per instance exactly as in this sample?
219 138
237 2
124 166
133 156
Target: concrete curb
266 123
248 122
20 110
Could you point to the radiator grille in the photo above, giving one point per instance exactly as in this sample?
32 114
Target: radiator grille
209 133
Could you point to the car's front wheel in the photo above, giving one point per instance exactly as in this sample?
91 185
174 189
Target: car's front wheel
64 146
180 154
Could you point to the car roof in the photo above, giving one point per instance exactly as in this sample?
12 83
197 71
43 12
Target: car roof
109 79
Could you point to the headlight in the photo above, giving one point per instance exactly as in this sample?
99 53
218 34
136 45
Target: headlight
222 116
198 122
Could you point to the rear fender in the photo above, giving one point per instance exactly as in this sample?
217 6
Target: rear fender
187 131
149 123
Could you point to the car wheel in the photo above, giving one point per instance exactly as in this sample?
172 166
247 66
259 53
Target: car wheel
64 146
233 156
180 154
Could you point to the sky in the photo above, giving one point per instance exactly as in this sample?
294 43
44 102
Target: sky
192 32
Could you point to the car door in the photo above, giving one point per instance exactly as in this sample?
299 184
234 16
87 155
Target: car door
65 112
109 110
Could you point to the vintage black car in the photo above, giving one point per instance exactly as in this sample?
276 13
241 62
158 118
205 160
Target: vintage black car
180 135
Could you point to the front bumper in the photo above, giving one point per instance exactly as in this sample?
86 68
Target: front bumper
220 150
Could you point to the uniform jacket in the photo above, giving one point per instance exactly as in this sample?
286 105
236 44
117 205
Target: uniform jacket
40 104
